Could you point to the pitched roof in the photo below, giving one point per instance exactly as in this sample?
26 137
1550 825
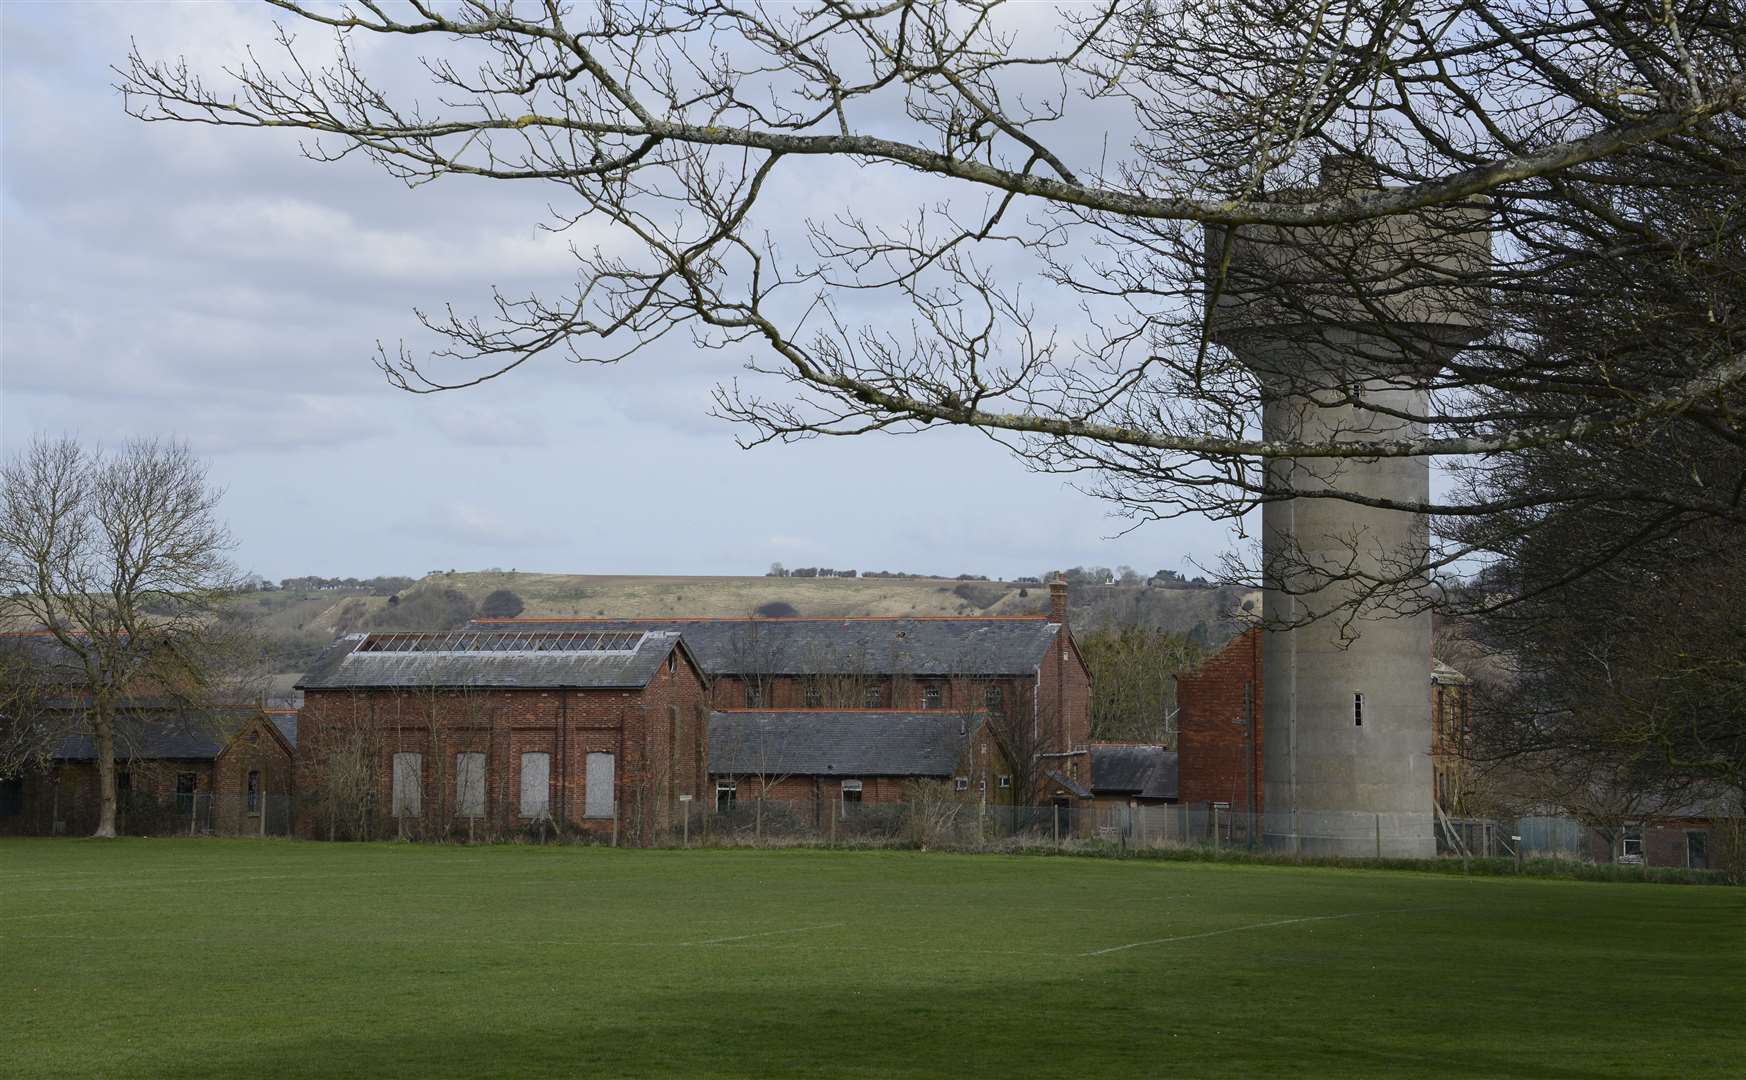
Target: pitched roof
1000 645
865 742
1073 786
493 657
1124 768
140 736
286 721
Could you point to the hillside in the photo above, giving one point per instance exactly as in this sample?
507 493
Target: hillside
1201 611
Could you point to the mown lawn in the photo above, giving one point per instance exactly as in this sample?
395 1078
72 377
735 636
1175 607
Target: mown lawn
155 958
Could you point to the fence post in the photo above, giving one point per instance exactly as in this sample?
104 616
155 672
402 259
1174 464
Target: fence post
193 811
614 822
264 798
1055 816
831 812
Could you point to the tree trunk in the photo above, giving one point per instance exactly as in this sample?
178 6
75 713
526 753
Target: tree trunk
103 735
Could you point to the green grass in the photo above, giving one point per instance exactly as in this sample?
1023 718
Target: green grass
155 958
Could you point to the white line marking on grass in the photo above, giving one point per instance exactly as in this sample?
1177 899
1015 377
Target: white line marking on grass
763 933
1249 926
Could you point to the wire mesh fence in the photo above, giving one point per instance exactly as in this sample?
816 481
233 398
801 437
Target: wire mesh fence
926 819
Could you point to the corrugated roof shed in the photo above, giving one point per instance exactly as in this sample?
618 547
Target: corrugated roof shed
520 659
852 743
1149 772
841 646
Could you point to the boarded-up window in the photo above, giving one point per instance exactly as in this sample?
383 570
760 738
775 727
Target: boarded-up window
470 785
600 776
408 785
536 785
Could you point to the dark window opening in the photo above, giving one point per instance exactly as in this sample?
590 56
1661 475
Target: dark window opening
185 784
12 797
875 696
726 792
993 697
851 793
1697 850
933 696
254 791
754 696
1358 709
814 695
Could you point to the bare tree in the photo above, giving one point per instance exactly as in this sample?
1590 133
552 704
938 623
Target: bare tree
29 729
121 559
1116 152
1021 732
1133 680
342 765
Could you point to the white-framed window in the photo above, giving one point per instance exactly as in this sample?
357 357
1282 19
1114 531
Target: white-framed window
754 696
408 799
1358 708
1631 843
851 791
536 784
993 697
470 784
960 783
933 695
1003 782
875 696
727 792
600 777
814 695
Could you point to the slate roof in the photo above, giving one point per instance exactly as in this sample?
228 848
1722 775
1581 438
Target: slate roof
1012 645
492 658
1146 771
1073 786
167 736
286 722
795 742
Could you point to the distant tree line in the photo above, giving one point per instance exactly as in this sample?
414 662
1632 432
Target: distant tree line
378 586
1078 575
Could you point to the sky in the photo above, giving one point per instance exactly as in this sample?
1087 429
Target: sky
215 286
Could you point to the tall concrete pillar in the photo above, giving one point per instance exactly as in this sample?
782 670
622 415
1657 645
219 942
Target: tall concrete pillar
1345 328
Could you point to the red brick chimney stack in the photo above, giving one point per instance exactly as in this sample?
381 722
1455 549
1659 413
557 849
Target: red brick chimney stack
1058 599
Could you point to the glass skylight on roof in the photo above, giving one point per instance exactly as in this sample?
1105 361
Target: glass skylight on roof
475 641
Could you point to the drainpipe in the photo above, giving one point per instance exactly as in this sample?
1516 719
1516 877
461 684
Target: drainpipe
563 759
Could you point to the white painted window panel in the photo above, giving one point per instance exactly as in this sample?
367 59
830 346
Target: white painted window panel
600 779
536 785
470 784
408 798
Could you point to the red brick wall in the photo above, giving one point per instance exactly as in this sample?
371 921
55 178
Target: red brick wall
657 736
1210 743
254 748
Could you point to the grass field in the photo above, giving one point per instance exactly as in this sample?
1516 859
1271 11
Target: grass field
153 958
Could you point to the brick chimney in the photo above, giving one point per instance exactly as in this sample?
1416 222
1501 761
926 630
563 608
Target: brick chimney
1058 599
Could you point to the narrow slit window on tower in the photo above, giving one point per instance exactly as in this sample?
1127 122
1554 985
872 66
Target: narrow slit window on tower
1358 709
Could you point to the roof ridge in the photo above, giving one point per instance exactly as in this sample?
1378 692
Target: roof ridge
781 618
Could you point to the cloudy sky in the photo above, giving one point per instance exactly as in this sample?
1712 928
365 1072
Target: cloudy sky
216 286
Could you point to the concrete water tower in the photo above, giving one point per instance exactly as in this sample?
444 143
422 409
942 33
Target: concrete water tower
1345 328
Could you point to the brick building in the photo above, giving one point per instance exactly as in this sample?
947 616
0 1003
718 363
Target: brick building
1003 673
852 756
228 772
502 729
1219 729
